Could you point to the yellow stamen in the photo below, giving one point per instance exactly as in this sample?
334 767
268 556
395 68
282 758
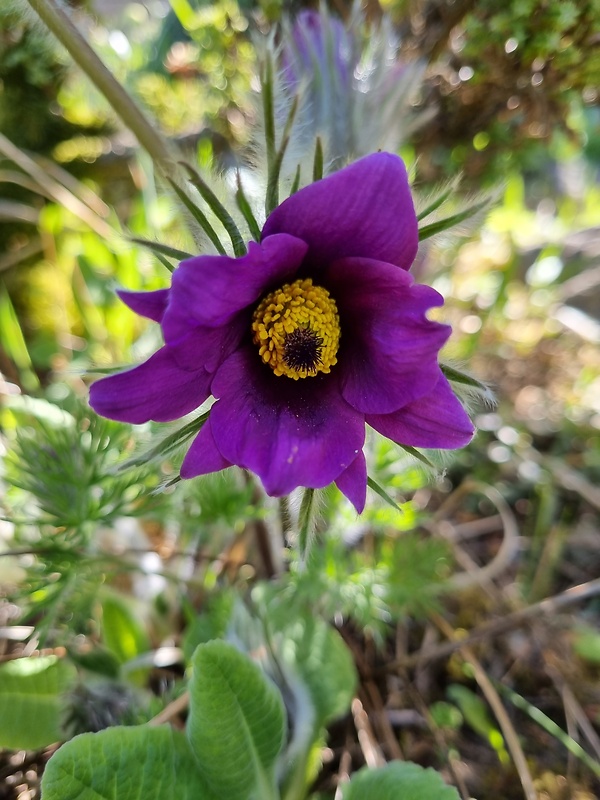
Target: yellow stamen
297 330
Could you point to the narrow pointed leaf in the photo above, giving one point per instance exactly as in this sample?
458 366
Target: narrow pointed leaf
269 125
426 231
296 182
412 451
166 446
219 210
199 216
165 262
378 489
318 160
162 249
236 725
244 207
457 376
548 724
436 203
103 370
274 173
128 763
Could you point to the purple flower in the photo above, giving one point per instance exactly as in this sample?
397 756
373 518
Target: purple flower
316 45
316 331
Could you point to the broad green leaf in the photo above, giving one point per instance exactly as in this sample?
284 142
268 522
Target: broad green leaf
399 780
30 701
236 724
121 629
317 652
139 763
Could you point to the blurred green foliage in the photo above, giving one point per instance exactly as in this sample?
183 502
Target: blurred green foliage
99 563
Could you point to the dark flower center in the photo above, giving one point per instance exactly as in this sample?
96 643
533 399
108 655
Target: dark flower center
302 349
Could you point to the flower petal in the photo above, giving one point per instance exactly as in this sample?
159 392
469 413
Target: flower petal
146 304
290 433
203 456
437 420
389 349
353 482
365 209
207 348
208 290
158 389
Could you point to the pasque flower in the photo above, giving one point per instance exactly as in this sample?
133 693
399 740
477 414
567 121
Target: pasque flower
317 330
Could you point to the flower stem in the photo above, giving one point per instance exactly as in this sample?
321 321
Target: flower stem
58 22
306 527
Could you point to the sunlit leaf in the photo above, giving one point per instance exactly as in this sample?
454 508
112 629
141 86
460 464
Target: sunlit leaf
128 763
236 725
399 780
31 701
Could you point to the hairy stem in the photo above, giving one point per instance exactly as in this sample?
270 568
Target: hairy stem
61 26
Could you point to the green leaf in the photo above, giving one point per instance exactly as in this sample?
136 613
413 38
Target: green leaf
123 634
296 182
426 231
139 763
244 207
211 624
236 724
318 160
317 652
586 644
436 202
30 701
399 780
98 659
457 376
378 489
551 727
476 714
272 196
13 341
199 216
269 127
218 209
412 451
168 445
306 523
162 249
